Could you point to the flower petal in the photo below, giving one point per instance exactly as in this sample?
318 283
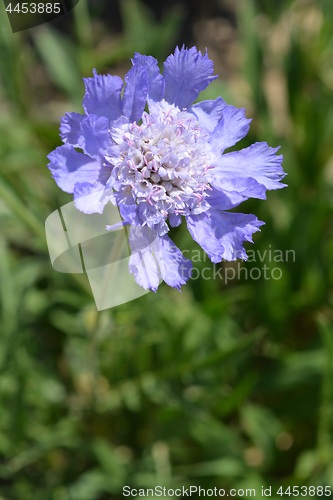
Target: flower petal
175 220
231 128
102 97
124 195
208 113
156 81
174 267
221 234
229 193
70 128
147 248
69 167
130 214
91 198
258 161
144 267
186 73
94 138
136 91
142 262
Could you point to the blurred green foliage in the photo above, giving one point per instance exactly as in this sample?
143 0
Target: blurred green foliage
226 384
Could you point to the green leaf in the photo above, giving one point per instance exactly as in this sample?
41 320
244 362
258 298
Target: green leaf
60 58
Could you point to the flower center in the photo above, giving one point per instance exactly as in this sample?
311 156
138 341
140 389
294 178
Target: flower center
164 162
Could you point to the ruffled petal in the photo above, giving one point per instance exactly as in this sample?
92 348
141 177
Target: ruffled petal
70 128
186 73
156 81
117 129
136 91
102 97
144 267
258 161
69 167
229 193
91 198
130 214
94 138
148 249
175 220
221 234
208 113
124 195
142 263
174 267
232 127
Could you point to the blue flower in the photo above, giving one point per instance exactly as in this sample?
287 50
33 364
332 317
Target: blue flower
170 163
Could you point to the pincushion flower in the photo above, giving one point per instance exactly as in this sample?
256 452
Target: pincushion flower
165 164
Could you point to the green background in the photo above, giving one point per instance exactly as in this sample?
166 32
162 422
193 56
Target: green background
226 385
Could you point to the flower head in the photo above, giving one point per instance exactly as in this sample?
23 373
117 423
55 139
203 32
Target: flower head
165 164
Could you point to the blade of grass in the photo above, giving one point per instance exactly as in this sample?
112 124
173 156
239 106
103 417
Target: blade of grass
60 57
22 211
35 224
326 406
